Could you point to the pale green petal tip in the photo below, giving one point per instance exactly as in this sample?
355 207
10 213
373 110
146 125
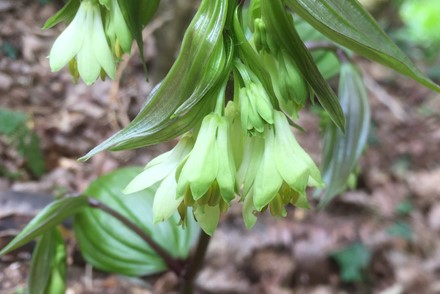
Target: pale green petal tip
249 217
208 218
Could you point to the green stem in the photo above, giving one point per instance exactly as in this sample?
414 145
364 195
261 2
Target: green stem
220 103
194 264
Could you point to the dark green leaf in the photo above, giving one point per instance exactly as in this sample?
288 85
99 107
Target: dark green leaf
67 13
353 261
110 246
11 121
349 24
327 62
342 151
189 78
46 220
137 14
281 28
48 267
146 10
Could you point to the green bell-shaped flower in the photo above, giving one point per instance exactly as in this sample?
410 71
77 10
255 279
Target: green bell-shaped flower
162 169
211 162
276 172
84 42
207 178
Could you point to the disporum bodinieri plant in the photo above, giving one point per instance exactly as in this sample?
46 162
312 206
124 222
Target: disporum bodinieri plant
245 71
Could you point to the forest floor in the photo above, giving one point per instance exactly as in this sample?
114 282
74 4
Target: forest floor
387 230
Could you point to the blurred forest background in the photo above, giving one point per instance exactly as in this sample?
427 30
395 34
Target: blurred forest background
381 237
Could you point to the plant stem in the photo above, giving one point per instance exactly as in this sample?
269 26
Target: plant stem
194 264
175 265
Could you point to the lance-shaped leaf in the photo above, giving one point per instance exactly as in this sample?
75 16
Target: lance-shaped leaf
67 13
342 152
47 219
109 245
48 267
280 26
189 77
349 24
137 14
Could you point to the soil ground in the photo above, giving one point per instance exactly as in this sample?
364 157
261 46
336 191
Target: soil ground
394 212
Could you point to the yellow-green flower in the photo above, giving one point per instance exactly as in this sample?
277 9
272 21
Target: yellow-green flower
276 172
84 43
207 178
162 169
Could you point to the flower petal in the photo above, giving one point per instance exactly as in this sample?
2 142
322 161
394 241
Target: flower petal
200 170
68 44
294 164
268 180
207 217
101 47
249 211
165 203
88 66
226 174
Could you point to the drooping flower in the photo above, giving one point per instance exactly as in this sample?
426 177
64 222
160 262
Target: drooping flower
207 178
162 169
276 172
84 44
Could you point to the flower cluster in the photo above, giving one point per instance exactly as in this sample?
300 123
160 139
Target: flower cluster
243 149
210 167
92 42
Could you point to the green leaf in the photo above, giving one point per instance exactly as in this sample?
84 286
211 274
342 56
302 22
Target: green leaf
327 62
189 78
67 13
11 121
342 151
110 246
47 219
353 261
146 10
349 24
131 12
48 266
280 26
